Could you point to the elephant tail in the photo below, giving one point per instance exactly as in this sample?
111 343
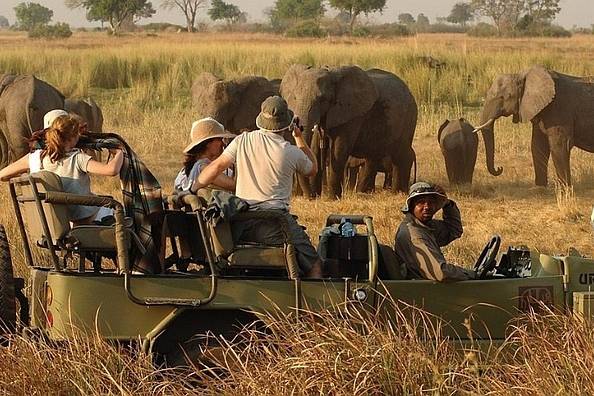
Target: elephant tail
414 155
30 125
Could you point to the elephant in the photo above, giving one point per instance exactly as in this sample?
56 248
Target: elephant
234 103
560 108
24 100
354 166
365 114
459 144
88 109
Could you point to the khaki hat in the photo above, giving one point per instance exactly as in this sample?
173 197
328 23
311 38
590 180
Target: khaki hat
423 188
275 115
50 116
206 129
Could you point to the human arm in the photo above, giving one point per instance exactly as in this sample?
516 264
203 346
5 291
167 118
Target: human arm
213 171
450 227
16 168
302 145
110 168
224 182
433 265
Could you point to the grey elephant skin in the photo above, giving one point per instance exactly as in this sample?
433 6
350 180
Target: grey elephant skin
365 114
560 108
24 100
354 166
458 143
88 109
234 103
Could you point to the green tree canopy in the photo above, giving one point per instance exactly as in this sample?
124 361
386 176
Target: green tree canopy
289 12
115 12
219 10
406 19
461 13
357 7
509 14
30 15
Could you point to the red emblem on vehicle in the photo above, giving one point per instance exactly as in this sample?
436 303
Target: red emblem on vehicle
534 297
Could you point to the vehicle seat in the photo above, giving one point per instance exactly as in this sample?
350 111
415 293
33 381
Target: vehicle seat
252 259
345 256
389 266
50 227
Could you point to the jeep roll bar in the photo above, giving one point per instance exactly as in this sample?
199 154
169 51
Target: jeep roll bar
121 236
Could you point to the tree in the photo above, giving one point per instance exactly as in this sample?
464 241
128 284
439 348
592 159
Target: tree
221 10
30 15
4 22
461 13
295 10
504 13
357 7
188 7
116 12
542 11
406 19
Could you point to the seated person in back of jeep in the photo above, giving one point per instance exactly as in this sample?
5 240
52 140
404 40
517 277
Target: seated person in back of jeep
206 144
265 165
419 237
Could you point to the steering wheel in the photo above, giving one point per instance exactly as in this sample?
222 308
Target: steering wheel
486 261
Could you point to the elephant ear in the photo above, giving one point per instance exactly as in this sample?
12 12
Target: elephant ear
292 86
539 91
355 95
441 128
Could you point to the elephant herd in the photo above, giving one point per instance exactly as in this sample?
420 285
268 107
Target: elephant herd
357 122
24 100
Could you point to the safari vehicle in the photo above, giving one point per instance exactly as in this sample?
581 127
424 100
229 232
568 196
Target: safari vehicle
165 311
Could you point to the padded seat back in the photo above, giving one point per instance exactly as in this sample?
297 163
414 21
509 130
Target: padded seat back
56 215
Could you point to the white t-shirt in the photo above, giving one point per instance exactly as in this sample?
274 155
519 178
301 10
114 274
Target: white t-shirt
72 169
265 164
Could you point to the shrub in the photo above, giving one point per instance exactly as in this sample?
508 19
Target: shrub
555 31
390 30
482 30
59 30
361 31
163 26
309 28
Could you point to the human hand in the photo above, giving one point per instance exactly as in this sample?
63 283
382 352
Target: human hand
440 190
297 129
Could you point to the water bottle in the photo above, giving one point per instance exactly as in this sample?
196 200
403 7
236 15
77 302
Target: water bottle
347 229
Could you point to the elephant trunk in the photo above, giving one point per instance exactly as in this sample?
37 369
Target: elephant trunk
487 129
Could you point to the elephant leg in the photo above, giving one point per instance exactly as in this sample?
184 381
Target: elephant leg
387 165
561 151
316 181
470 162
341 148
540 155
351 174
451 166
366 182
401 171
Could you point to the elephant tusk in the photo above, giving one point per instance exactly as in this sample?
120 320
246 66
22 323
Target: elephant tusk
481 127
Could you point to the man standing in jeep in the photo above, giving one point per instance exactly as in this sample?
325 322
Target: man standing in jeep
265 164
419 237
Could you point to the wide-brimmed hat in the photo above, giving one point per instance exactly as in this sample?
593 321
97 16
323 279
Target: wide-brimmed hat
423 188
206 129
275 115
50 116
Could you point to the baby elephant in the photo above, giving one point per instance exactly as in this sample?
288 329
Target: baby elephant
458 145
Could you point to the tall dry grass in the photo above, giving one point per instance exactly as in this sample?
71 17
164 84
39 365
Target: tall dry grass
143 85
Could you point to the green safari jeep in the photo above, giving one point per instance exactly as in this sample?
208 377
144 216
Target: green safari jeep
235 282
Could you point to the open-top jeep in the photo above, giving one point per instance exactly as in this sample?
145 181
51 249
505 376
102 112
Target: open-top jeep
165 311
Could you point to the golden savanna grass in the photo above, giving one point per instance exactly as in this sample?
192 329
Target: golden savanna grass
143 85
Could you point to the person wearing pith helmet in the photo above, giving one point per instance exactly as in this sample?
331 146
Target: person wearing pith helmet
265 164
419 237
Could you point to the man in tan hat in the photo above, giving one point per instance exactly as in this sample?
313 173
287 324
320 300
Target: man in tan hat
265 164
419 237
206 145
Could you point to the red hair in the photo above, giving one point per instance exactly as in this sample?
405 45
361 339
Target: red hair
62 130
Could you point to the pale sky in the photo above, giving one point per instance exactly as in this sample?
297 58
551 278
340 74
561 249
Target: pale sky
574 12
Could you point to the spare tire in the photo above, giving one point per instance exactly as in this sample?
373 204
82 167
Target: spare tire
7 292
